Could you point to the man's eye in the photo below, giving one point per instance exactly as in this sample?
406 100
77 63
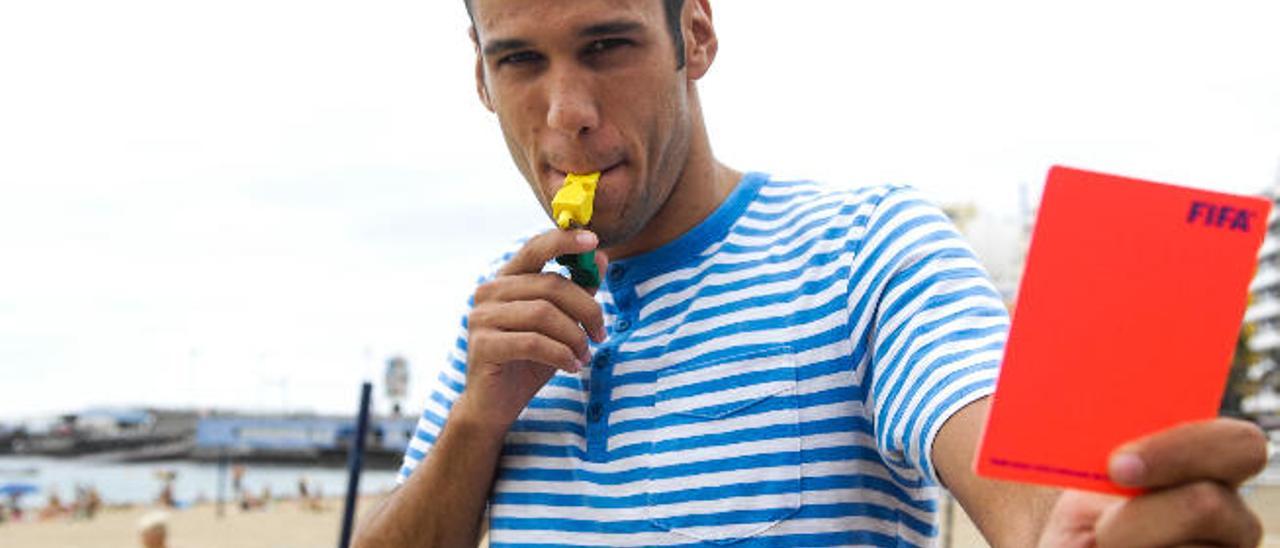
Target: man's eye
606 44
519 58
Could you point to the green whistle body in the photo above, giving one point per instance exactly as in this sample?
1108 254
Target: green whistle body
582 268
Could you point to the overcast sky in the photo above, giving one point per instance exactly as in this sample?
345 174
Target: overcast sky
253 203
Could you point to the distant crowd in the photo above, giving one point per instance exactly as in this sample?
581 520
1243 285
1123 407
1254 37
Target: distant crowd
86 504
88 500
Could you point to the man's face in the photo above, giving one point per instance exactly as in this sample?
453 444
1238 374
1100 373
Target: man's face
583 86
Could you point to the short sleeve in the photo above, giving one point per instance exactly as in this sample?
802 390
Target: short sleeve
938 331
445 389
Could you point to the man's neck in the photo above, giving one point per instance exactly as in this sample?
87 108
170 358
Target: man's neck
702 186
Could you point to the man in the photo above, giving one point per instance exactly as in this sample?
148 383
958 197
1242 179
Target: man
767 362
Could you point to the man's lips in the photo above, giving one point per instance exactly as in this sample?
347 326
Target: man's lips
559 174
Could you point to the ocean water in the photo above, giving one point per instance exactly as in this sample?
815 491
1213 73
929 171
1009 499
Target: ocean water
137 483
121 483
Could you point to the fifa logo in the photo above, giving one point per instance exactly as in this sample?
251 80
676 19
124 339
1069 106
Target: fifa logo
1220 216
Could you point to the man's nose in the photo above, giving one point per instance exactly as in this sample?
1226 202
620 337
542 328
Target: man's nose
571 106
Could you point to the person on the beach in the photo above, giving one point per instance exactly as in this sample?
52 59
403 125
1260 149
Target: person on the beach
53 508
237 479
165 499
87 502
249 502
80 506
93 501
767 362
307 499
15 506
153 530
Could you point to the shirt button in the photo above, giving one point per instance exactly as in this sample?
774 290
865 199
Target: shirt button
616 273
594 412
622 325
602 360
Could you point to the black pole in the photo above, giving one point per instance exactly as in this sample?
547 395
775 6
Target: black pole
222 481
355 462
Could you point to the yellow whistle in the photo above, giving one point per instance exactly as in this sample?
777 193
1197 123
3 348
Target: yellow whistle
572 204
572 208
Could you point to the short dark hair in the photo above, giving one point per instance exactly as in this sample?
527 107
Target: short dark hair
671 8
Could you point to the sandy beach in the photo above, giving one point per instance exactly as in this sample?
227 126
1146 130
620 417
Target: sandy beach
282 524
286 524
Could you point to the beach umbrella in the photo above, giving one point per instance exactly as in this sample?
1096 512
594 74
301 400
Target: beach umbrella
11 489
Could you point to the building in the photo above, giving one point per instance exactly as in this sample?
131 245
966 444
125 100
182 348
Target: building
1262 319
305 438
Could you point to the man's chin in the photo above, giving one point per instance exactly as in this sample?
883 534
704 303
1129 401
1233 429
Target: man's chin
610 238
616 235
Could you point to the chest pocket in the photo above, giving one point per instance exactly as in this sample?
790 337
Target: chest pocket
725 461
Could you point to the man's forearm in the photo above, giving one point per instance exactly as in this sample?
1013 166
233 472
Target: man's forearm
1007 514
442 502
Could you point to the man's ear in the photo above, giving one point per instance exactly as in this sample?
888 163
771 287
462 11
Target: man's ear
482 88
700 43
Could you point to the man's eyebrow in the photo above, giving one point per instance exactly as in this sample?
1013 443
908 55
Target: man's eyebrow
607 28
498 47
610 27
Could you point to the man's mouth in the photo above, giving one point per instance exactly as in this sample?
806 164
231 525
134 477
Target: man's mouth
558 174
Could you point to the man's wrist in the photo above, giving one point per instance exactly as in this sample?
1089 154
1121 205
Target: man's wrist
479 424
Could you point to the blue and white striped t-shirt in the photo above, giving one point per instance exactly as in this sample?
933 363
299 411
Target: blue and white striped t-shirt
773 377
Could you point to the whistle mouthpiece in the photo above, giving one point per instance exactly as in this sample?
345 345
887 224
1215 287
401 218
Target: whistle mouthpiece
572 205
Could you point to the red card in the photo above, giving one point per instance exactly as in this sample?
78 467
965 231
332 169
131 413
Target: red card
1126 320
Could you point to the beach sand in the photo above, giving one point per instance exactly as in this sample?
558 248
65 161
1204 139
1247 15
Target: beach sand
285 524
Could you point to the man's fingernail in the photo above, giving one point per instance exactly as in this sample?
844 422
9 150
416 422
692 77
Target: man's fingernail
576 365
586 238
1128 469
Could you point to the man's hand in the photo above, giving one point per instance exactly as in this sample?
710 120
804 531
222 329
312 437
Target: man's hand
526 324
1191 474
523 326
